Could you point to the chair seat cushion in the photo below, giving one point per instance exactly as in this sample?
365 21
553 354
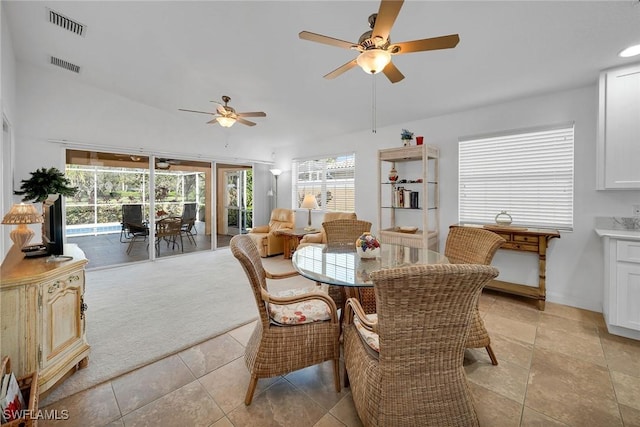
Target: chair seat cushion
370 338
301 312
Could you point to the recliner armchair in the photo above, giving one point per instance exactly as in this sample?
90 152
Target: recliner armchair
265 237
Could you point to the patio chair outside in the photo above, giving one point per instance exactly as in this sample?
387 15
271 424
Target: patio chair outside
188 227
169 230
131 219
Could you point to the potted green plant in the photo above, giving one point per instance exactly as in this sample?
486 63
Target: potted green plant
406 137
45 186
44 182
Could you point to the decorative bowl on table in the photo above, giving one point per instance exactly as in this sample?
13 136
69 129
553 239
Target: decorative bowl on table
368 246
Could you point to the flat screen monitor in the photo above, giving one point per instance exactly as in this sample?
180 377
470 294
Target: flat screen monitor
53 227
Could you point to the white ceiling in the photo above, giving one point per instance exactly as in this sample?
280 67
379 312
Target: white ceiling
180 54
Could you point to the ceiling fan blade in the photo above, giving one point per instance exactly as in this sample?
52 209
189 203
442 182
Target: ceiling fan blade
319 38
221 110
393 74
194 111
245 122
434 43
213 122
341 69
252 114
387 14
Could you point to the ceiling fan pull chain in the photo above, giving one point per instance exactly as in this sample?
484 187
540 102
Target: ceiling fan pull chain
373 104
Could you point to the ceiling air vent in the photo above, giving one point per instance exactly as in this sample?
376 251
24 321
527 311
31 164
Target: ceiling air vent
64 64
66 23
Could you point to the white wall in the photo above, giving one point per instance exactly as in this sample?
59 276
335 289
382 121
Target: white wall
8 109
51 105
575 261
54 105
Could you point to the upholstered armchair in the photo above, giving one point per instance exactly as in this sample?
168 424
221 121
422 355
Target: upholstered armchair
321 237
265 237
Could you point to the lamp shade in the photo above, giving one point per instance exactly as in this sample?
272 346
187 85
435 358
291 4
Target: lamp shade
373 61
309 202
226 122
275 172
22 214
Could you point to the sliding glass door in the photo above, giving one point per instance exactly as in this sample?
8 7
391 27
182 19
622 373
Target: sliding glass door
116 217
235 203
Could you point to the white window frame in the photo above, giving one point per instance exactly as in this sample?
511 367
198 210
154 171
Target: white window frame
323 182
528 173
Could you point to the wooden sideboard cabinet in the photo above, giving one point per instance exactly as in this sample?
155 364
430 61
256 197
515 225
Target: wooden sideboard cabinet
42 324
533 240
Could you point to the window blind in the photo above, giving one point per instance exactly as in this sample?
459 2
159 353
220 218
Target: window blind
330 179
528 174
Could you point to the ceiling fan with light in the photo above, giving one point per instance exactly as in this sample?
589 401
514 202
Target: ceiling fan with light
165 164
375 46
227 116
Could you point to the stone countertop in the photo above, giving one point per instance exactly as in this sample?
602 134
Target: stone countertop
619 234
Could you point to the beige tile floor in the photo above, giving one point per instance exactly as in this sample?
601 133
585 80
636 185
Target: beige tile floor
558 367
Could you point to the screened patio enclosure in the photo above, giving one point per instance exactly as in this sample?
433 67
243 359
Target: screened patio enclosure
108 181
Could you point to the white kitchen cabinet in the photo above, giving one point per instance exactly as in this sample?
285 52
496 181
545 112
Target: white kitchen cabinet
618 154
621 308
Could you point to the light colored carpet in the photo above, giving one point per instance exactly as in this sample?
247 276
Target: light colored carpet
140 313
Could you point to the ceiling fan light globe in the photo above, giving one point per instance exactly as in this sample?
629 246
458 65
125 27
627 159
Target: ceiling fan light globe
226 122
373 61
630 51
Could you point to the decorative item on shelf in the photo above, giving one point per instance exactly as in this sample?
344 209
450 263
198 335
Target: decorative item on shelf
406 137
419 140
368 246
309 202
407 229
393 173
503 218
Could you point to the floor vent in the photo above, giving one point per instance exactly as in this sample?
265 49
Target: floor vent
66 23
65 64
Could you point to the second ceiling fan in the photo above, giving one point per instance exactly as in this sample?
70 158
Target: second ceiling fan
226 116
375 46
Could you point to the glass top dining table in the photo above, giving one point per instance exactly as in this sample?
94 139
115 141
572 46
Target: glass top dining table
341 266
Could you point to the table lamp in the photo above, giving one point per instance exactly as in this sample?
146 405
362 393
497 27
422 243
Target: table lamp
22 214
309 202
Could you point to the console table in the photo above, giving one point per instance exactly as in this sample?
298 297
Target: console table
533 240
42 316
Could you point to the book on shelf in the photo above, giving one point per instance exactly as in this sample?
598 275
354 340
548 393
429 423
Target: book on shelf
12 402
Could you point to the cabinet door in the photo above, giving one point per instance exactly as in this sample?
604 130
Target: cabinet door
628 295
620 127
63 322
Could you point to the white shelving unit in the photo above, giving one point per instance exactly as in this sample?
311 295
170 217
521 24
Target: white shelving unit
417 168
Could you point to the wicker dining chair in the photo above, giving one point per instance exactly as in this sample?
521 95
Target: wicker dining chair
406 366
278 347
472 245
345 232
